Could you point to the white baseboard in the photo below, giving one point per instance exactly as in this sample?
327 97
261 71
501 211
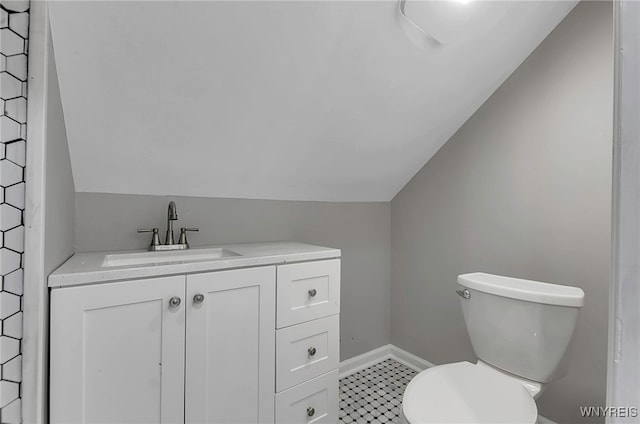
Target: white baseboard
365 360
409 359
374 356
360 362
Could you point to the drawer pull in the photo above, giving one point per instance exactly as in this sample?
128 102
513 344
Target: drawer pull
175 301
311 351
310 412
198 298
313 293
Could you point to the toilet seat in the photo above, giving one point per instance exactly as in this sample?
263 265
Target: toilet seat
466 393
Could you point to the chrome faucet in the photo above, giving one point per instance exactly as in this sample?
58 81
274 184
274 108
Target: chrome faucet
169 243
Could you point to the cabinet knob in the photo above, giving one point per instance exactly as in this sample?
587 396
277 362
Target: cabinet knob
198 298
313 292
311 351
175 301
310 412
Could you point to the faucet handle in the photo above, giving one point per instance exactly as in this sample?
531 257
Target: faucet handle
183 235
155 240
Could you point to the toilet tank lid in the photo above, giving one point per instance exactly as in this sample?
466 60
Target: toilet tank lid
527 290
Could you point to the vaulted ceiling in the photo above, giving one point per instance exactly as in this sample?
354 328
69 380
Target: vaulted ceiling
297 100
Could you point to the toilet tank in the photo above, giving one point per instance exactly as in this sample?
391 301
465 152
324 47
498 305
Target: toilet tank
520 326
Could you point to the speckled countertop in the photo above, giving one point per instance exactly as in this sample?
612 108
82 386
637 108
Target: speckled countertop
88 268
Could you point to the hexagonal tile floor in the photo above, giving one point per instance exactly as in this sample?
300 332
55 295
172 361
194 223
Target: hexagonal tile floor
374 395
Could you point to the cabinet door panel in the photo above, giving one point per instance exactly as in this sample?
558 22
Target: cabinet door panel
117 353
231 347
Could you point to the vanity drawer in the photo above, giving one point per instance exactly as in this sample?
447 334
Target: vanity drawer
306 350
315 401
307 291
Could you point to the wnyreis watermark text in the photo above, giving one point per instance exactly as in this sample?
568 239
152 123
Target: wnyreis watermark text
609 411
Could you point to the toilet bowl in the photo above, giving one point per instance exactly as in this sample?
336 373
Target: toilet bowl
463 392
520 331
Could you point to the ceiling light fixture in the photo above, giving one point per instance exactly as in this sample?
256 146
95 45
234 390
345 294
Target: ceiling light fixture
418 35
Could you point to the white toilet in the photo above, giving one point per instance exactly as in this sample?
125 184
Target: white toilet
520 331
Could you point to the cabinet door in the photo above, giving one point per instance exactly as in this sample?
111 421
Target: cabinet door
230 373
117 352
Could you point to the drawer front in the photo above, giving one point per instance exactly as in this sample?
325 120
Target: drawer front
307 291
315 401
307 350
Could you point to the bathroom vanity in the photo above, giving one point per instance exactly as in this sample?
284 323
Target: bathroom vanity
236 334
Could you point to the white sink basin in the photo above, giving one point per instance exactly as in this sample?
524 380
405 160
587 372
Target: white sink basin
180 256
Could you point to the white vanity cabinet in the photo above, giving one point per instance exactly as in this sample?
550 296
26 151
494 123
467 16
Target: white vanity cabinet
198 348
251 337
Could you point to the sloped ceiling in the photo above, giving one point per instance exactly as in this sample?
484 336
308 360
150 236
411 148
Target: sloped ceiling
302 100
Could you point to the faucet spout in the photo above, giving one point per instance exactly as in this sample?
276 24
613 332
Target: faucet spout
172 215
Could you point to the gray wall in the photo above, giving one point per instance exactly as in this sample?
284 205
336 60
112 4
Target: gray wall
522 189
59 236
361 230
